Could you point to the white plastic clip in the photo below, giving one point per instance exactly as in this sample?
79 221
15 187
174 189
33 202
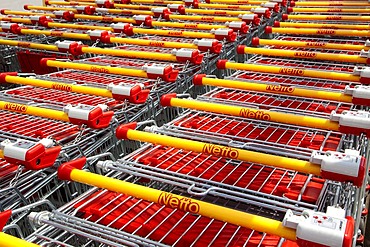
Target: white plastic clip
79 111
205 42
358 92
66 44
174 7
248 17
100 1
122 88
102 10
259 10
97 33
35 17
235 24
59 13
365 54
160 10
269 5
118 27
221 31
347 163
352 119
183 52
79 7
16 150
329 229
141 17
155 69
7 25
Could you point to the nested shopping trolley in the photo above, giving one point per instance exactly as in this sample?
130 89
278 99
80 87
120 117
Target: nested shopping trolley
179 73
169 163
25 180
332 50
164 170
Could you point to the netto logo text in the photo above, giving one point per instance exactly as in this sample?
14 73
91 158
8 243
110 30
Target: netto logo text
220 151
315 44
15 107
334 18
207 18
61 87
260 115
279 88
325 31
291 71
191 25
304 54
334 10
184 204
175 33
99 70
157 44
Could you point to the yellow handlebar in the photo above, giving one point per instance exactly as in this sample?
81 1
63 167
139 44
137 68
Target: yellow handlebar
303 54
95 68
25 13
59 86
327 10
272 88
168 74
155 43
308 44
322 25
187 25
7 240
224 64
203 18
352 18
251 113
165 2
33 7
232 216
77 36
123 132
72 3
225 6
329 3
130 54
104 18
253 2
16 20
216 12
34 111
77 26
134 6
29 45
314 31
175 33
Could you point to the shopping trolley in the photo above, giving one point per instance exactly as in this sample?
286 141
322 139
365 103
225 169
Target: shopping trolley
300 68
356 34
156 87
8 60
344 56
25 182
123 221
335 19
356 95
322 10
287 41
181 74
105 38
